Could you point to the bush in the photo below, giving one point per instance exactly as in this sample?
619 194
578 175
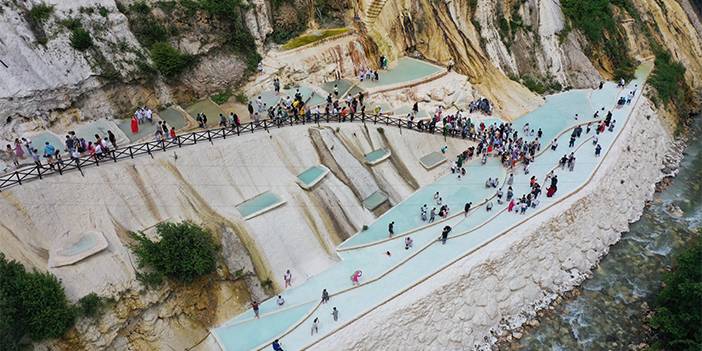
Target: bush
32 305
81 39
678 315
222 96
668 78
90 305
148 31
184 252
169 61
240 97
71 23
41 12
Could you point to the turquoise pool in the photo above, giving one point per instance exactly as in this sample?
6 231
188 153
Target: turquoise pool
376 156
85 243
259 204
407 69
432 160
312 176
175 118
374 200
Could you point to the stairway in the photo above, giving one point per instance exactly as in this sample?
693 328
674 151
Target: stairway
372 13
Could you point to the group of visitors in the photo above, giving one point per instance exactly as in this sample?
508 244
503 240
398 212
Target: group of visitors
141 115
74 146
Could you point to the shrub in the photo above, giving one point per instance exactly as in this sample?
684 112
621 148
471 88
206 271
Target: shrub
169 61
678 314
184 252
90 305
32 304
222 96
241 97
71 23
41 12
103 11
668 78
595 20
81 39
148 31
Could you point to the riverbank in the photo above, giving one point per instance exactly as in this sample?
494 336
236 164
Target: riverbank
611 310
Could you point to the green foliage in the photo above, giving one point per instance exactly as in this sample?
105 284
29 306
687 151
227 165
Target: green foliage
41 12
32 305
81 39
678 315
240 97
595 20
313 37
71 23
36 16
222 96
103 11
140 7
86 10
149 31
668 78
169 61
184 252
90 305
541 86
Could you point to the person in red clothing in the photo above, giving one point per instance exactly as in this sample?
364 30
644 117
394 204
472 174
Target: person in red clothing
172 133
135 125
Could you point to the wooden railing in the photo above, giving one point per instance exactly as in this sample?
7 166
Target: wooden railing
29 173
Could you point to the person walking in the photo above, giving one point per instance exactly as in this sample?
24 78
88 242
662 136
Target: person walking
280 301
287 278
112 138
254 306
335 314
276 345
325 296
466 208
391 229
315 326
444 234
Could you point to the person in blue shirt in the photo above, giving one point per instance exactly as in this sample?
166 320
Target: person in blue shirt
276 345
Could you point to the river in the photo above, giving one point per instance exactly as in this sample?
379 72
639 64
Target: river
610 310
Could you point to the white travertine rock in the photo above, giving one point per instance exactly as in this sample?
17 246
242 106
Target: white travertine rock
539 279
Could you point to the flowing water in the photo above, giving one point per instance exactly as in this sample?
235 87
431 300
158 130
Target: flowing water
609 313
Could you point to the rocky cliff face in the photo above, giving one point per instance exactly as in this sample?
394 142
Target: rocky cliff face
529 41
47 80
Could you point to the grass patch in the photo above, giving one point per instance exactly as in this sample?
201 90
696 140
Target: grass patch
222 96
312 37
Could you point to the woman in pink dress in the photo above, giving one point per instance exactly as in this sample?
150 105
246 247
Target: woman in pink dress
18 149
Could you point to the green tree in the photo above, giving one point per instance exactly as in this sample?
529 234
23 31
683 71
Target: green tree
184 252
169 61
32 304
678 313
